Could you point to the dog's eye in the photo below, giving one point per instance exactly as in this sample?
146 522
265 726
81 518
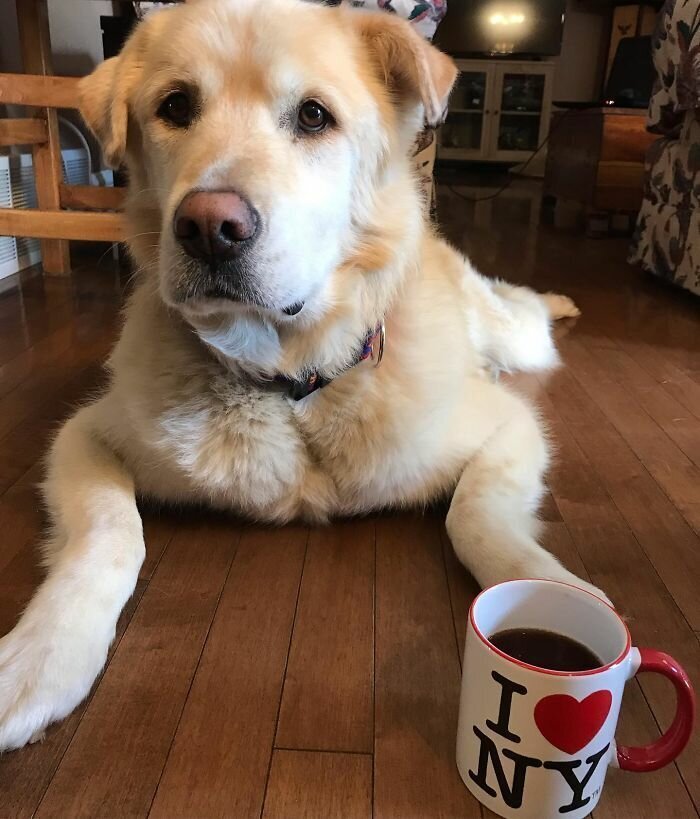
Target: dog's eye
313 117
177 109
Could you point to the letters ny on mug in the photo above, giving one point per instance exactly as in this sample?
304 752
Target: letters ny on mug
563 721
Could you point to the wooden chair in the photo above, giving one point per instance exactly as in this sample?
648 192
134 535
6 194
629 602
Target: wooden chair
65 212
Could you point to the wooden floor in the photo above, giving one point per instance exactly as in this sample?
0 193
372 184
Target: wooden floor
315 672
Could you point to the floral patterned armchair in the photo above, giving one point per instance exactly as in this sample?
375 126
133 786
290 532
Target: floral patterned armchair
667 238
424 14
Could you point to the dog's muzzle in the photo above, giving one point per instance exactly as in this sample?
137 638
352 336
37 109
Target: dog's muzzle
215 226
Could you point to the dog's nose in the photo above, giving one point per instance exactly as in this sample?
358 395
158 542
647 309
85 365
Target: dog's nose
214 225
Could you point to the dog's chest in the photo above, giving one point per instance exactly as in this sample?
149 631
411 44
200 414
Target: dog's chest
373 453
258 452
237 442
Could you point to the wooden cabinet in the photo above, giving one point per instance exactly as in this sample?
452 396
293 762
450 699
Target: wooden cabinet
499 111
596 158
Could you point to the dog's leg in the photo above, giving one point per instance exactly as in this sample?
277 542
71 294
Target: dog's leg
557 306
50 660
512 325
492 520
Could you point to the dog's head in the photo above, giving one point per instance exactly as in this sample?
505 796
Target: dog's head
263 140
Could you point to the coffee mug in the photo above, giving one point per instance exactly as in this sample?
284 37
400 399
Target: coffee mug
534 743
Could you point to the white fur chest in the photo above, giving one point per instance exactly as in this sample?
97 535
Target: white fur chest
238 447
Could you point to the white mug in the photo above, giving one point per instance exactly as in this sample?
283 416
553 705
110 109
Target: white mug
534 743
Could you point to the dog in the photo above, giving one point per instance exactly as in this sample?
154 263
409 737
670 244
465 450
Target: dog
277 227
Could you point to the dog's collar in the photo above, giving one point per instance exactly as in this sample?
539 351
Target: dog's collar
373 348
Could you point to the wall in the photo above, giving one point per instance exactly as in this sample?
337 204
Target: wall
75 35
584 50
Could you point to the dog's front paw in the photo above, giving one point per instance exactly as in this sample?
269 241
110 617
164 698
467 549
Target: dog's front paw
565 576
41 681
545 566
589 587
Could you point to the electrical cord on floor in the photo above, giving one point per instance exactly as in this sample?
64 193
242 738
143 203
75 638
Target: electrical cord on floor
512 178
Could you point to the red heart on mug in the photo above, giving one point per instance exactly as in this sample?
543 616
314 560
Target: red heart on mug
569 724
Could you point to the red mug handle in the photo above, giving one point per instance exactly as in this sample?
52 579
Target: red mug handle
667 747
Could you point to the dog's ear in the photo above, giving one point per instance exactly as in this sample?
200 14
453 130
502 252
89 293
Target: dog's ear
410 66
104 109
104 100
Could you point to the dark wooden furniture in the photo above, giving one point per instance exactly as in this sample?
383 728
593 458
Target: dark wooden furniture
596 158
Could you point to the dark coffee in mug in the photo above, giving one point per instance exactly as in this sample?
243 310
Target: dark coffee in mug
545 649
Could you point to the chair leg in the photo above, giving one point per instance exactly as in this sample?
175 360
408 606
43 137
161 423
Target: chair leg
35 44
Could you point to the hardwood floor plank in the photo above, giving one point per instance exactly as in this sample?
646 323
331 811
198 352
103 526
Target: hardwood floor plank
417 677
548 509
26 774
462 590
32 319
691 512
615 561
313 785
556 538
11 308
29 441
672 470
644 311
114 762
21 518
327 703
159 528
669 542
681 426
42 354
43 309
219 761
674 381
33 393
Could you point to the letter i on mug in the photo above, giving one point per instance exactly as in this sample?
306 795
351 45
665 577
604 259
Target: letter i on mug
536 735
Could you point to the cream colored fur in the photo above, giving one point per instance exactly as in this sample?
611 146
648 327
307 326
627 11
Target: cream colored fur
187 418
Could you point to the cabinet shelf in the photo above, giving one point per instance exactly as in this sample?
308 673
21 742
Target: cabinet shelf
490 120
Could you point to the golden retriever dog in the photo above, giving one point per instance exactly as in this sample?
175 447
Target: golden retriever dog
282 254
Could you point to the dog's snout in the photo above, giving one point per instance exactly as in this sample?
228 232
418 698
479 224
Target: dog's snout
215 225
